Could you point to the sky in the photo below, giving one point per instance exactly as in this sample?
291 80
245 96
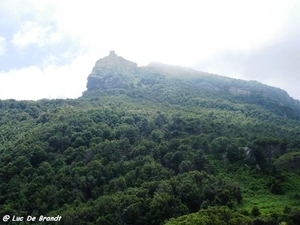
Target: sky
48 48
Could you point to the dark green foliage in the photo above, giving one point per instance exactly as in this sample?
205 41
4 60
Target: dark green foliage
220 145
295 216
212 215
150 148
235 153
289 161
258 221
255 211
275 187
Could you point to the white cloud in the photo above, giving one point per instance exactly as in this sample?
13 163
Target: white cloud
174 32
35 33
2 45
170 31
16 10
67 81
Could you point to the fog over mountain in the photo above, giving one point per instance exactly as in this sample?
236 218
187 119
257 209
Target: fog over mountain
152 145
115 74
45 44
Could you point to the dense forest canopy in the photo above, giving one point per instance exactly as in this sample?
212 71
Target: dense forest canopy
153 145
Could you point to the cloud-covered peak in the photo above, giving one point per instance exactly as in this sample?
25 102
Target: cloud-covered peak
112 71
54 34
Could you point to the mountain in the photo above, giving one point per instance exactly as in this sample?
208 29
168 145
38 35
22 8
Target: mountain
111 72
114 72
155 145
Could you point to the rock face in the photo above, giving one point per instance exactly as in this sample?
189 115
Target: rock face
115 72
112 71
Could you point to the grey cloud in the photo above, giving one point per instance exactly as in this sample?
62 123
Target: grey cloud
275 63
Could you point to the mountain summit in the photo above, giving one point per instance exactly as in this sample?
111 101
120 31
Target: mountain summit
145 145
163 82
111 72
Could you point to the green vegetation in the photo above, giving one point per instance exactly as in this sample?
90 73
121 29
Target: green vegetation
159 150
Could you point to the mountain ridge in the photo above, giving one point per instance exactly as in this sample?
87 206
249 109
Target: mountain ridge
114 72
152 149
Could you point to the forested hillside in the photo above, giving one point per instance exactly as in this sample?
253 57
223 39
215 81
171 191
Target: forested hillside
153 145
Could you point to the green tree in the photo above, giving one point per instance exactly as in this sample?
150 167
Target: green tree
219 146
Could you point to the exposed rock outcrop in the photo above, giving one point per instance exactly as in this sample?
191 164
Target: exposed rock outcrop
115 72
112 71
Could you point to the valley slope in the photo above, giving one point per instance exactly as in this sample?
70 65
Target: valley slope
153 145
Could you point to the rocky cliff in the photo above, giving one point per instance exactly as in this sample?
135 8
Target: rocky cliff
112 71
115 72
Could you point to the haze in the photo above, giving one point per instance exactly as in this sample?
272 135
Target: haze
48 48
